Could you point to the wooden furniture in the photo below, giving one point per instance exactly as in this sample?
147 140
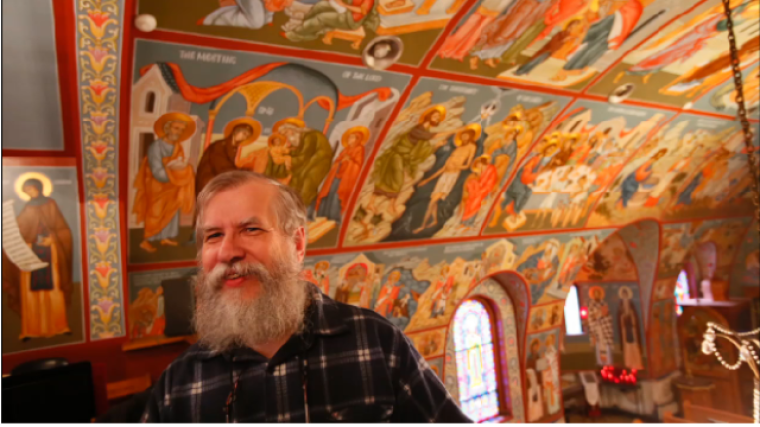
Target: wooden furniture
119 389
694 389
703 415
731 391
154 341
354 36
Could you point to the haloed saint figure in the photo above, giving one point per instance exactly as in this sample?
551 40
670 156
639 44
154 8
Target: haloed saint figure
41 296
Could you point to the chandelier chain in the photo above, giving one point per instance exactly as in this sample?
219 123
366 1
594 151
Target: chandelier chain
742 112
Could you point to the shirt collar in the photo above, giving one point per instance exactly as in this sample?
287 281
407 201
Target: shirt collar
323 313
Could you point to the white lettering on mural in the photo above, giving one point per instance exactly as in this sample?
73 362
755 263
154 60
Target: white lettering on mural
529 99
217 58
62 181
357 75
709 124
627 111
464 90
463 248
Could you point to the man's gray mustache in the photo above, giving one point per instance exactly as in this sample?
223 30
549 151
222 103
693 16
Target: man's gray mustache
247 269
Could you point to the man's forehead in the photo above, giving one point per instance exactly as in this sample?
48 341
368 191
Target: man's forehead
252 200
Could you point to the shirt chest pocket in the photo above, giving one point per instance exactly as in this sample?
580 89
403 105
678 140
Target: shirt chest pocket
360 413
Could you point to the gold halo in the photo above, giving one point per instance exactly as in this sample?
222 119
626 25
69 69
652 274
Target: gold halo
158 126
620 292
356 129
473 127
440 108
548 146
254 124
594 288
290 121
47 186
322 265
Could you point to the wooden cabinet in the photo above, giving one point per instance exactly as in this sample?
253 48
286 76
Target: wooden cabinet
713 384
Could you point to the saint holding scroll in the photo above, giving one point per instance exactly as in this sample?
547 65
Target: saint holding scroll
41 296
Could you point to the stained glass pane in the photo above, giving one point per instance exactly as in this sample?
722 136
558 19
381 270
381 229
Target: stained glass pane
681 291
476 368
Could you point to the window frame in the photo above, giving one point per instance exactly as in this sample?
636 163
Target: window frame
505 410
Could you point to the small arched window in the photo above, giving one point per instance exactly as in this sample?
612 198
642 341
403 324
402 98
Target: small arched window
476 361
150 102
681 291
573 323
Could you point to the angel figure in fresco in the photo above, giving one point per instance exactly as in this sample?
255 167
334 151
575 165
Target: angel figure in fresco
642 174
252 14
479 185
441 292
329 15
388 295
520 190
280 161
550 376
332 200
459 43
540 267
600 326
692 38
165 182
504 39
40 297
628 326
406 154
460 160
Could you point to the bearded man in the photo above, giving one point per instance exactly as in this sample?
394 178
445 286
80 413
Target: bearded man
272 347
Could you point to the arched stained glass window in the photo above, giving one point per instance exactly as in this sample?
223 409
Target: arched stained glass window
573 324
476 368
681 291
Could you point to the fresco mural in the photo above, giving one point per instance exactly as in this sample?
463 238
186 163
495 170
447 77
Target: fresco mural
419 288
147 302
662 339
43 296
746 266
555 43
338 26
722 99
615 328
546 316
610 261
542 376
209 111
445 158
568 171
677 240
688 58
690 167
726 235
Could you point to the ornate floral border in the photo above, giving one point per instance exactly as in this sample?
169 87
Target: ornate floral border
495 292
97 49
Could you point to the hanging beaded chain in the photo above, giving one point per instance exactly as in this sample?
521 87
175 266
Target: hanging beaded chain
746 347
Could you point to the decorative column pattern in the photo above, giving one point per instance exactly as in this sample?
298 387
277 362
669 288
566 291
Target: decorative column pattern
98 33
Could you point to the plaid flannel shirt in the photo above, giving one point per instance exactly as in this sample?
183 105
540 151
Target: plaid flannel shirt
350 365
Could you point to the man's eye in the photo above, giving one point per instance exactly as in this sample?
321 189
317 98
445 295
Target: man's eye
253 229
213 236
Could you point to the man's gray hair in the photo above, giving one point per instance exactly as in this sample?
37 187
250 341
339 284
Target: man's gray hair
288 209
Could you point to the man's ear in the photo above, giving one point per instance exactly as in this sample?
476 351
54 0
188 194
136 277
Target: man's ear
299 238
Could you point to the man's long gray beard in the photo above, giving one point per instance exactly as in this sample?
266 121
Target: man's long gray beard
224 320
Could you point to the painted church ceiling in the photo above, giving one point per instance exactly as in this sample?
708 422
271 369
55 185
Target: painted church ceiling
496 121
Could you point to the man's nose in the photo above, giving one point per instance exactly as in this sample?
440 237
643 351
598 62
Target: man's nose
230 250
